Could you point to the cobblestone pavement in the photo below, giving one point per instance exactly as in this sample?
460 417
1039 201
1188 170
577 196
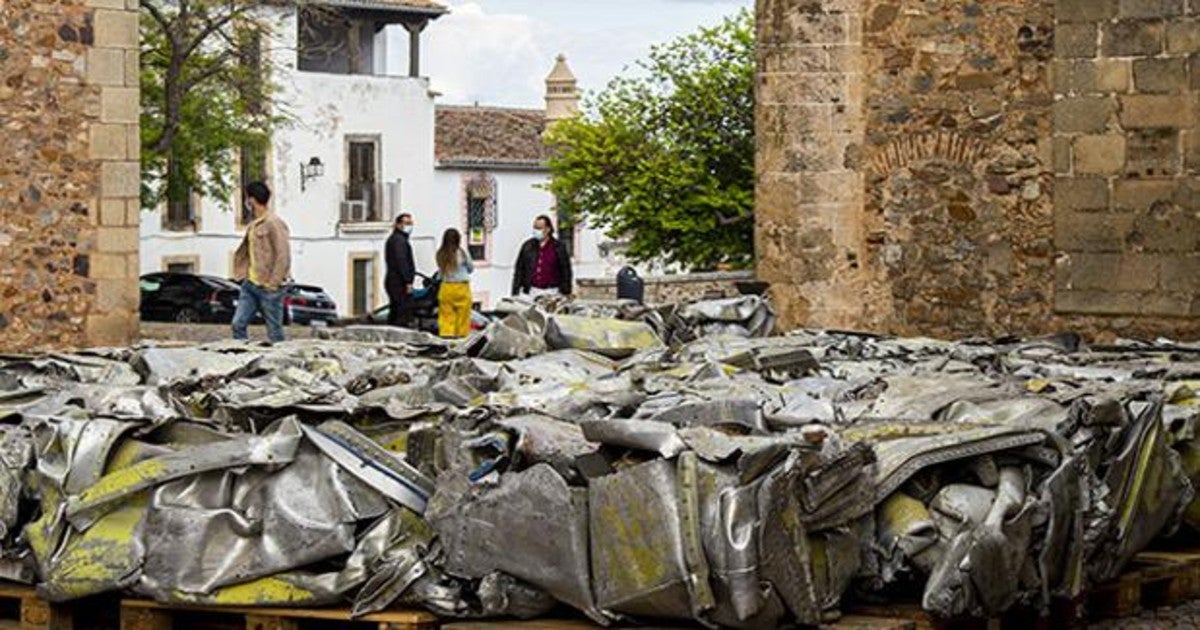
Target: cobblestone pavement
1185 616
204 333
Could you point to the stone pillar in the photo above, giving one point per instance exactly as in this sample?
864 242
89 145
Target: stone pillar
414 47
809 126
1127 164
69 185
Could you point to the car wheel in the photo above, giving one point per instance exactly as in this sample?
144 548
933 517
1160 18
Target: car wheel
187 316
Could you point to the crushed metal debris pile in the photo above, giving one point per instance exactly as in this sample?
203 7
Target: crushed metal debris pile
630 462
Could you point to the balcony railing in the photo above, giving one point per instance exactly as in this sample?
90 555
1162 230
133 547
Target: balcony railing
370 205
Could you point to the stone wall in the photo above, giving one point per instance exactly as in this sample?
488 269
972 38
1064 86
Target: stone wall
960 167
1127 158
69 173
670 289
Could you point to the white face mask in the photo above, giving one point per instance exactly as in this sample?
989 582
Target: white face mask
407 229
539 235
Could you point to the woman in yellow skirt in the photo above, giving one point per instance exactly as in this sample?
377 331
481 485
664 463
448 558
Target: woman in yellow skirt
454 298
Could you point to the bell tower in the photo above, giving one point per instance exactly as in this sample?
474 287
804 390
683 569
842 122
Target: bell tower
562 93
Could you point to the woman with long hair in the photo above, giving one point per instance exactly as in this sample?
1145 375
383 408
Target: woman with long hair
454 298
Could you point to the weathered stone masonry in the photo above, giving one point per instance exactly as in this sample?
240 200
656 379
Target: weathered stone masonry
960 167
69 173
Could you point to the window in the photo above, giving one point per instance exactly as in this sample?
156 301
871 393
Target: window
362 200
480 214
181 213
181 264
362 283
252 168
476 227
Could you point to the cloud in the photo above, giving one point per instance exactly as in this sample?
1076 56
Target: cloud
482 52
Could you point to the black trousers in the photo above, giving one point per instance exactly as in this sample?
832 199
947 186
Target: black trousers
399 304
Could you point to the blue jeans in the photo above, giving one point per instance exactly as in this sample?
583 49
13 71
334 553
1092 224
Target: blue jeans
254 299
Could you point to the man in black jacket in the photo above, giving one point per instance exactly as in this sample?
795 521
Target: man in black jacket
401 271
544 264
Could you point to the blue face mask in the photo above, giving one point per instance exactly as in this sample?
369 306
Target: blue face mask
407 229
539 235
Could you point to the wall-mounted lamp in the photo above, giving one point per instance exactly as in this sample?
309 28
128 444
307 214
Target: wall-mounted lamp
312 170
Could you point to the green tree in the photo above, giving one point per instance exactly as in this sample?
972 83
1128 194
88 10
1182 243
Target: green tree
206 93
664 159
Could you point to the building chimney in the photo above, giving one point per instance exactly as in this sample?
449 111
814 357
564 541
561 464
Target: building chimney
562 94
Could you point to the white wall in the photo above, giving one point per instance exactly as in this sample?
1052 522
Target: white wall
325 109
400 110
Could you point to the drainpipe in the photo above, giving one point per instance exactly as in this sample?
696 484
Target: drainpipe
414 47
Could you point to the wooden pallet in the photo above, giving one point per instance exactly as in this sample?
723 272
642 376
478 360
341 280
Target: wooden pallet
22 606
1153 579
139 614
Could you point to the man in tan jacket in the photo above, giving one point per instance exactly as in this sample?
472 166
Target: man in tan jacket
262 263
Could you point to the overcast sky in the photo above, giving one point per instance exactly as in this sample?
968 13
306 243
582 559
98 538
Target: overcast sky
498 52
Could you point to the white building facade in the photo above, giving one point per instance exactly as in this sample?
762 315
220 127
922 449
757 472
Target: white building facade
367 143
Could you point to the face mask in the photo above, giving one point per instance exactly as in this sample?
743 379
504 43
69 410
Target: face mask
407 229
248 206
539 235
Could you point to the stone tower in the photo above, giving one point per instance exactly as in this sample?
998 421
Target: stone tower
562 93
968 167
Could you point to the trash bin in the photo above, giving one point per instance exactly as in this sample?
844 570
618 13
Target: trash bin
630 286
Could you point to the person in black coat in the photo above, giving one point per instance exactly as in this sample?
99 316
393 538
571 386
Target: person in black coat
544 264
401 272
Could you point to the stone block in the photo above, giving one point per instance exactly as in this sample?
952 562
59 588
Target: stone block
133 212
111 329
1076 40
1166 228
1141 111
1182 274
802 88
1080 193
1083 114
1161 75
113 212
132 71
115 28
1100 154
1139 195
1073 76
119 105
1153 153
1085 10
1062 155
109 266
116 240
1194 71
106 66
1150 8
1081 270
1183 37
133 142
116 295
1091 232
1097 302
120 179
106 4
1191 151
1113 75
108 142
1131 38
1166 304
777 197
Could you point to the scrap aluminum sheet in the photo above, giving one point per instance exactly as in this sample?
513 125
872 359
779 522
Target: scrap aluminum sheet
633 462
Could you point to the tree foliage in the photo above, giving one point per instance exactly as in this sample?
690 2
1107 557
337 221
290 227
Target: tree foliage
664 159
206 90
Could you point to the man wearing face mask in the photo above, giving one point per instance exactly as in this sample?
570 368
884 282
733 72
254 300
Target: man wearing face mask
401 271
544 265
262 263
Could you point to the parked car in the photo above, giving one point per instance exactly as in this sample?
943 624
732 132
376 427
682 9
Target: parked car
304 304
424 310
187 298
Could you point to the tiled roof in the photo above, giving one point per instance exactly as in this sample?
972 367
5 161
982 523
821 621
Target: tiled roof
490 136
420 6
